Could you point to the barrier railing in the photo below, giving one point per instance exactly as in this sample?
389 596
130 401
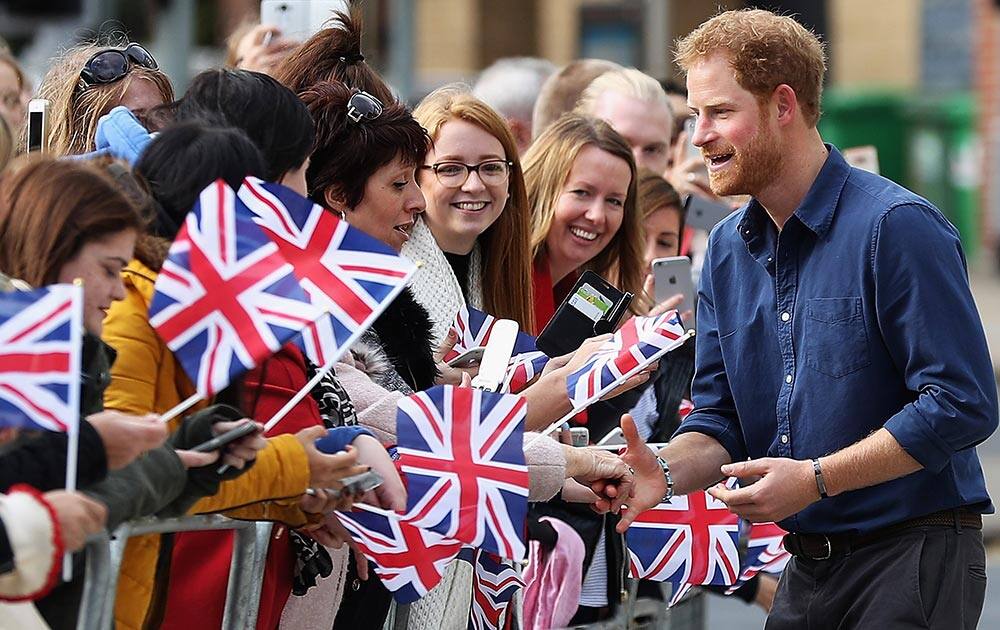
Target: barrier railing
246 573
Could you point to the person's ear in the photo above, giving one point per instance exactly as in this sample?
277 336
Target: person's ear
335 201
786 102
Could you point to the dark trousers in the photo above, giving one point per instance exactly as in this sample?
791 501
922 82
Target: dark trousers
927 577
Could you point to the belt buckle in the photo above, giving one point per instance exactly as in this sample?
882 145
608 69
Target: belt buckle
829 548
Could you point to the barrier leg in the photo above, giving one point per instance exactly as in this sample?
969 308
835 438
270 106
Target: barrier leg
95 586
246 574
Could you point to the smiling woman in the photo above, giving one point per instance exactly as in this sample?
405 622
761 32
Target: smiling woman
581 181
474 234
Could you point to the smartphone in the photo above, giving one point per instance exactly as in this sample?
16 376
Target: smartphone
38 130
613 437
690 150
703 213
580 436
243 430
593 307
672 276
354 485
300 19
470 358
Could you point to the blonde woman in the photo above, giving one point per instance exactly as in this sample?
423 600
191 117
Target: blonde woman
581 181
473 236
90 80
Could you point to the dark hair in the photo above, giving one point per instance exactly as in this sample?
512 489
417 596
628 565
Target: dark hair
333 54
268 112
348 153
181 161
42 227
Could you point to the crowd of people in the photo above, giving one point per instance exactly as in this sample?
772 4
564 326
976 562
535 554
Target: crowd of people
505 192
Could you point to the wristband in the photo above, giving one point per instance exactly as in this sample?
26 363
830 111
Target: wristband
820 483
670 480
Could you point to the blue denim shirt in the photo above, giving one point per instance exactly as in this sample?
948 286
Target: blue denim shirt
856 316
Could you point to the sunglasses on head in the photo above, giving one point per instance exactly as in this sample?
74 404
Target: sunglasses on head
363 105
112 64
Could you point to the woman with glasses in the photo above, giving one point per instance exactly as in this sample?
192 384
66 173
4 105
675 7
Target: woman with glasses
473 236
90 80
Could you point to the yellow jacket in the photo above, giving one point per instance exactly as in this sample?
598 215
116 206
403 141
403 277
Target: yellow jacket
146 378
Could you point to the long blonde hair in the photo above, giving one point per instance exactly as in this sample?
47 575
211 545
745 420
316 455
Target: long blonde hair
505 245
547 165
74 112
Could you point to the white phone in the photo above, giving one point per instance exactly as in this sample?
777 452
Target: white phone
38 125
470 358
300 19
672 276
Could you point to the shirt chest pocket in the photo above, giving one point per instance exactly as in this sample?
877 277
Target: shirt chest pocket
836 342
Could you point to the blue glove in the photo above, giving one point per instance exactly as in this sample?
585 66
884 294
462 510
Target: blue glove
337 439
121 134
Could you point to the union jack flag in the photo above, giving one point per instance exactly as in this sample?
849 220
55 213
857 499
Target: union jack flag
493 586
638 343
345 272
690 541
40 339
474 327
409 560
225 298
463 454
765 552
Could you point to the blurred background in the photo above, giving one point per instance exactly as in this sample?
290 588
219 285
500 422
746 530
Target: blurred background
917 79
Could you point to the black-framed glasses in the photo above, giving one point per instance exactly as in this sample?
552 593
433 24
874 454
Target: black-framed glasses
454 174
113 64
363 105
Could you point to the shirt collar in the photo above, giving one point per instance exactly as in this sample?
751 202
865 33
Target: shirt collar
817 208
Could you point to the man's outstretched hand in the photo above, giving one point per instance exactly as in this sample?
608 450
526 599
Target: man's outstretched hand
649 486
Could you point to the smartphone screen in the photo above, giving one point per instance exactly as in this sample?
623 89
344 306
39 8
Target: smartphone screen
36 130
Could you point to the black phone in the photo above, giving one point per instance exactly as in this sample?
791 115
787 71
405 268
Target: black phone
704 213
243 430
593 307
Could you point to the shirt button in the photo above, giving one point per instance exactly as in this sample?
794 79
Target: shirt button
785 317
769 259
788 378
784 439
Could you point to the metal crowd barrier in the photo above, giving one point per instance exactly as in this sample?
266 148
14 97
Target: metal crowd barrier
246 573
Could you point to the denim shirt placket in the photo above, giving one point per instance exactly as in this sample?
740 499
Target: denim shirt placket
786 274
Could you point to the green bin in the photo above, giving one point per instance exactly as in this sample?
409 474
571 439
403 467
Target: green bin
854 118
943 161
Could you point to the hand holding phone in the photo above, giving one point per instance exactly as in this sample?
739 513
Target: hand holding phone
247 428
593 307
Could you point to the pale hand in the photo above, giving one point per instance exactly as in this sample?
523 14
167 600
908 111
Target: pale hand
126 437
79 516
450 375
786 487
650 485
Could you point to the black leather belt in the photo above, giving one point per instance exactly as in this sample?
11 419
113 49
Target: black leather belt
826 546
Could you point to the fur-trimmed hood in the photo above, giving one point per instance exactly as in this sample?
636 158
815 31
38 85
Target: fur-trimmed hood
400 342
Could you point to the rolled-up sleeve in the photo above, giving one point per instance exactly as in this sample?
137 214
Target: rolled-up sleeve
933 332
714 409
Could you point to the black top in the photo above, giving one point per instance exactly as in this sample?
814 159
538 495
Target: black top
460 265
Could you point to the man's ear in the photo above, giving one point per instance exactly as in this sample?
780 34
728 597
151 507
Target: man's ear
786 101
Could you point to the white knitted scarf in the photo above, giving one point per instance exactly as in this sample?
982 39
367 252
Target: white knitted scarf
434 285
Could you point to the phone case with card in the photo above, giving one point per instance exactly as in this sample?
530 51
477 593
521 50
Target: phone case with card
593 307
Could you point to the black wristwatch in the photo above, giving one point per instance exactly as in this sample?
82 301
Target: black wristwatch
670 480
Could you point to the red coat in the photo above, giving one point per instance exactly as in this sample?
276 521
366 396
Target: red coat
204 557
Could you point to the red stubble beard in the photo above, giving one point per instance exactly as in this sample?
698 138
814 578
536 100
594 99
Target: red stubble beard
751 169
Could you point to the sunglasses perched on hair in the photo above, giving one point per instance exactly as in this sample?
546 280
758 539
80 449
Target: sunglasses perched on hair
363 105
113 64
